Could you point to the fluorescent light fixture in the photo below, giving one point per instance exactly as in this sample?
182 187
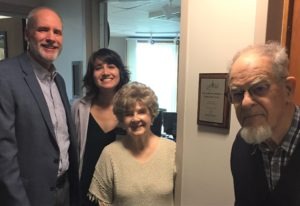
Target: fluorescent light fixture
4 17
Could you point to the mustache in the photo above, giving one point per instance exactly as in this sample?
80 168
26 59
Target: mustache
251 112
50 44
248 113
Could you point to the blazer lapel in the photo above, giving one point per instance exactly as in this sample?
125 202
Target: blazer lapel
37 93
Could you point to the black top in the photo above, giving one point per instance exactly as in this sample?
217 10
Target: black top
96 140
250 182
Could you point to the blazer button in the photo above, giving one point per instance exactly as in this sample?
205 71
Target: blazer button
56 161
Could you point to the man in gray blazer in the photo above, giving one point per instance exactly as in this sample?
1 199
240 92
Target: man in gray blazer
38 149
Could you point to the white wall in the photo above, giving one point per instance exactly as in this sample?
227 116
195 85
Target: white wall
118 44
211 32
72 13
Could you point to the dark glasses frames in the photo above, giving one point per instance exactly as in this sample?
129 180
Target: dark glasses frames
236 95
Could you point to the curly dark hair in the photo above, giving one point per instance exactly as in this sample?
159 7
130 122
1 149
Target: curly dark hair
107 56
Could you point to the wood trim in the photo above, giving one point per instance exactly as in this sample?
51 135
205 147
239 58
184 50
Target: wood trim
284 22
274 21
295 47
287 22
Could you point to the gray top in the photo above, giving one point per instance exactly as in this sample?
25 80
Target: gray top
120 179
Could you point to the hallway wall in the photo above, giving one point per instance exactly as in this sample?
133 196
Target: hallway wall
211 32
72 13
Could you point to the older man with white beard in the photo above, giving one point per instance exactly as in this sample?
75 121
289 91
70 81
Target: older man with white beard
265 156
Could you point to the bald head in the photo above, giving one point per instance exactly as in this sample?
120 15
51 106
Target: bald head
35 13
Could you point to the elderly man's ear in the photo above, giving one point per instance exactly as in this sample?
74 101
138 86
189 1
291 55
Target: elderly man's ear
290 87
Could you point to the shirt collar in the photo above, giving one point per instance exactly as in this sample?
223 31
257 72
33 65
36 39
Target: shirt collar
41 72
289 141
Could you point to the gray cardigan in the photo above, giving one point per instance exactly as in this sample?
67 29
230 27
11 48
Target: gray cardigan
80 112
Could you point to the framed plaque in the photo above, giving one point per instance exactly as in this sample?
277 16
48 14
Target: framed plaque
213 104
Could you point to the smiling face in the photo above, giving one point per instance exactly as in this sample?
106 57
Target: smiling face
261 112
138 121
106 76
44 36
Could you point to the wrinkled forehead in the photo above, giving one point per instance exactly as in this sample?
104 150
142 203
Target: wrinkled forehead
250 68
249 78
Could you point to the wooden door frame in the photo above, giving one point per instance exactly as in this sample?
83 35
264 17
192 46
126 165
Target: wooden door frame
287 24
281 27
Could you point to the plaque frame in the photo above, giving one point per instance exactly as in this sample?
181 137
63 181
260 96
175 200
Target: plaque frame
213 103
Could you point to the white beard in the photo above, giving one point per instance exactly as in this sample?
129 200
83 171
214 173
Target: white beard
256 135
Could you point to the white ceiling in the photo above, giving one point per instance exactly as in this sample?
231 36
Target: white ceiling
139 18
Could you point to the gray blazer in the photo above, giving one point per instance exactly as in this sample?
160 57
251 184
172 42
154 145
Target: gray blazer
29 154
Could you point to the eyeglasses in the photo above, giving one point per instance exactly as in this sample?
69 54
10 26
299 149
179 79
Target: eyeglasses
236 95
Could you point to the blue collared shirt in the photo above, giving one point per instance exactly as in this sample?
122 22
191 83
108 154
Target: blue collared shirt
57 112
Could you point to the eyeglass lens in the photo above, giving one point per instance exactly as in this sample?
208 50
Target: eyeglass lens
257 90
